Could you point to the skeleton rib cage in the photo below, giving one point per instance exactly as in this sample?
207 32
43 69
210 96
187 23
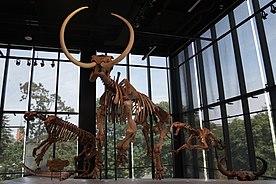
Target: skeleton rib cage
142 106
58 130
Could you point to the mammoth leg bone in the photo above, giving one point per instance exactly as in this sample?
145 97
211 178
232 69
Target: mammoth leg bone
159 173
145 130
130 135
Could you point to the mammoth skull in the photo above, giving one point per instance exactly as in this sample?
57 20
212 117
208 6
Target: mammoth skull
101 64
243 175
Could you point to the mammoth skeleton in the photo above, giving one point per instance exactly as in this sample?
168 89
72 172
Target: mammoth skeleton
121 102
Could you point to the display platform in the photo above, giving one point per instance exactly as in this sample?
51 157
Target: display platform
44 180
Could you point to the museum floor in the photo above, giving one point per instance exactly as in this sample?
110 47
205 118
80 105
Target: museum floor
44 180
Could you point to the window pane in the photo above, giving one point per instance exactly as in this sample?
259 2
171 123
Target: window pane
17 90
234 108
183 87
44 88
214 113
228 67
222 26
123 61
137 60
138 78
250 53
46 54
205 42
116 69
258 103
21 52
158 61
68 89
195 82
270 26
238 144
261 128
159 85
210 75
75 55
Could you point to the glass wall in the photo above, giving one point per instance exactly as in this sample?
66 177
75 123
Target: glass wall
236 87
54 90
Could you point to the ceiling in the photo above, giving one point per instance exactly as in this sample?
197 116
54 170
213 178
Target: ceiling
166 24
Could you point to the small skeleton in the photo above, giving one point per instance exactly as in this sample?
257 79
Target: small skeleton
59 130
243 175
204 136
120 103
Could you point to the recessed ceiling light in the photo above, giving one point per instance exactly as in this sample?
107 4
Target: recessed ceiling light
28 38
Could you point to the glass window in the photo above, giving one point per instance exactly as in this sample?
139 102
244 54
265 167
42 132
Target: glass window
205 42
214 113
234 108
138 79
222 26
21 52
180 57
250 53
270 26
3 52
194 82
183 87
46 54
210 75
137 60
217 129
44 88
116 69
258 103
263 140
158 61
123 61
68 88
75 55
239 151
159 86
264 2
17 86
228 67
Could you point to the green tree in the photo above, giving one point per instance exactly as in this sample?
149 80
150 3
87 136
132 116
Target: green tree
11 150
262 138
10 153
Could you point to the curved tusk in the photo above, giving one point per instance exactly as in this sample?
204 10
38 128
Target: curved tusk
263 169
224 172
129 45
63 46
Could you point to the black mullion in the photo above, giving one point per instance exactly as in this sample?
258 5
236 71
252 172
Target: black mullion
247 120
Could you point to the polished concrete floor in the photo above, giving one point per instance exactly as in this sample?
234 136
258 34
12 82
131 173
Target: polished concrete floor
44 180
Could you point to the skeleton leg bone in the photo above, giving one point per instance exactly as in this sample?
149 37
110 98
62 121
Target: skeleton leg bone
130 135
159 171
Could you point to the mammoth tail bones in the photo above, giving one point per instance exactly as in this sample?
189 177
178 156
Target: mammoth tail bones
119 102
207 139
59 130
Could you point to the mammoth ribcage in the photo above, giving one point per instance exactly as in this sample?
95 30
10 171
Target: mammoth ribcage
142 106
66 131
